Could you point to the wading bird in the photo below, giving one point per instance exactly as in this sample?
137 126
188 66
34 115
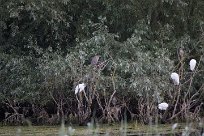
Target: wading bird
79 88
175 78
94 60
192 64
163 106
181 53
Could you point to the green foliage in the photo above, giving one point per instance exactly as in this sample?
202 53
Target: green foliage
19 81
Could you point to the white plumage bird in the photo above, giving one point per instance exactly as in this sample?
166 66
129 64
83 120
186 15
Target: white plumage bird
175 78
79 88
163 106
192 64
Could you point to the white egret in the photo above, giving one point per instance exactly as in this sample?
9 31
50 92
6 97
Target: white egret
79 88
192 64
175 78
163 106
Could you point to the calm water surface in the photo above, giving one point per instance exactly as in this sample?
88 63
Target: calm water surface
111 130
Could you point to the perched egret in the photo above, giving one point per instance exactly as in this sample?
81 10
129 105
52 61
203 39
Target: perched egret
175 78
94 60
79 88
163 106
192 64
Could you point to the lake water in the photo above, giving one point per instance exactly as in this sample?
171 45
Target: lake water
131 129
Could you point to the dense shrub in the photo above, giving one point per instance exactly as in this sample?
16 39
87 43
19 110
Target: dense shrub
47 46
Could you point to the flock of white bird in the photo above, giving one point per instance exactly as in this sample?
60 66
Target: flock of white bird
175 76
175 79
162 106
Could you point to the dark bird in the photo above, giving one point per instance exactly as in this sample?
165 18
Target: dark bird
94 60
181 53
